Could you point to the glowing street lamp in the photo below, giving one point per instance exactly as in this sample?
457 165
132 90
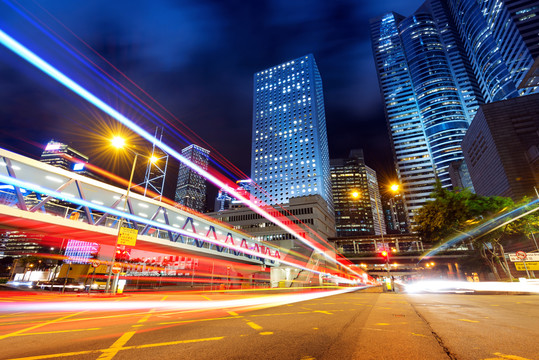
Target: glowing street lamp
119 143
355 194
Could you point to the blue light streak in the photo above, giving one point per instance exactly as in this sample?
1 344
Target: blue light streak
48 69
485 228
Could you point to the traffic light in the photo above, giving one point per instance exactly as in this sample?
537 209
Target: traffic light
384 254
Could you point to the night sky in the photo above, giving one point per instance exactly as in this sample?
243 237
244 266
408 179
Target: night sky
196 58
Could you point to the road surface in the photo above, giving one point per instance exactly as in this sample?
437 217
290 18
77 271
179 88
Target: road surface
357 325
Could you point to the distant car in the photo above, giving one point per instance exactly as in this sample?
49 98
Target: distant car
58 285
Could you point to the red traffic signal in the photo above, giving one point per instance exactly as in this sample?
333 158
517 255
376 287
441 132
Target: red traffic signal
384 254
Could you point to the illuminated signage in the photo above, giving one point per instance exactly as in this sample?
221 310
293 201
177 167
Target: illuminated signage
78 166
53 146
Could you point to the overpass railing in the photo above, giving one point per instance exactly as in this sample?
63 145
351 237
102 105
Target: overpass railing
36 187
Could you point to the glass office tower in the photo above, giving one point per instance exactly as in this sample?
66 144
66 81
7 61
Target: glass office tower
409 142
290 155
355 193
441 108
191 187
435 68
497 51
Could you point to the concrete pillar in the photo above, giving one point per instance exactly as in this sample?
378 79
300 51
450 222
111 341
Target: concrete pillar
450 273
459 275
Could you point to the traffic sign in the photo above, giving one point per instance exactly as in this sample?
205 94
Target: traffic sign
95 263
127 236
521 255
529 256
530 265
116 268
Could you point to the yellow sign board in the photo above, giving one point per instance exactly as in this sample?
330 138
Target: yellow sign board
530 265
127 236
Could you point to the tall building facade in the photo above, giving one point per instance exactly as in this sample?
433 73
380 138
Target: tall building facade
395 214
290 156
191 187
501 148
309 213
498 42
65 157
356 196
225 201
435 68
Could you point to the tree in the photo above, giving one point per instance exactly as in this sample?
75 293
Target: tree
452 213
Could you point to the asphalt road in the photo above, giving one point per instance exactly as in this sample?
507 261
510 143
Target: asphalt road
358 325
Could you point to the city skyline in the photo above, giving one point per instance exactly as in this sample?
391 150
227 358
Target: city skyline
337 34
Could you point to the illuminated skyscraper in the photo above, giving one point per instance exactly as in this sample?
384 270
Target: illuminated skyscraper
356 194
290 155
410 148
435 68
65 157
191 187
500 38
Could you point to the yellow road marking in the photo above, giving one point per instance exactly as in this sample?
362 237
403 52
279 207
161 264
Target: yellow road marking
147 316
266 333
503 356
254 326
205 297
472 321
307 357
38 357
419 335
382 324
117 346
323 312
56 332
512 357
233 313
39 325
198 320
172 343
315 328
57 355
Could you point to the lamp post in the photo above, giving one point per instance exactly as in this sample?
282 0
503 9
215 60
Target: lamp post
356 195
119 142
382 236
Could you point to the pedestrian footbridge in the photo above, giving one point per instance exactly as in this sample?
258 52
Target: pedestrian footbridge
39 198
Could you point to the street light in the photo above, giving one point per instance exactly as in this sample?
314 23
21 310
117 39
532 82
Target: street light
355 194
119 143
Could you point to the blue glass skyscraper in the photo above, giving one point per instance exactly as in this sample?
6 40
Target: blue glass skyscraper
410 149
497 51
435 68
290 155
